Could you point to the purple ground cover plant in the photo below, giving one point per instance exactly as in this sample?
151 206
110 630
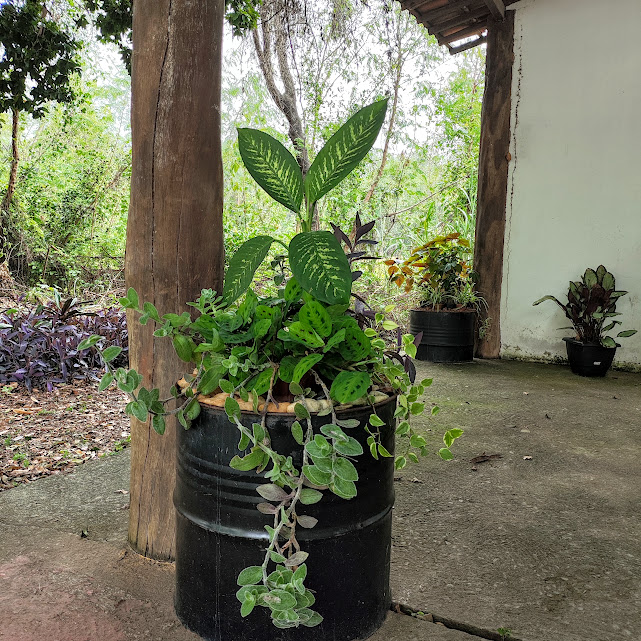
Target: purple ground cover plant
39 346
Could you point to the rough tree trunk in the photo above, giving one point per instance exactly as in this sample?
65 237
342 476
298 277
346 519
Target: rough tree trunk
494 159
174 235
15 159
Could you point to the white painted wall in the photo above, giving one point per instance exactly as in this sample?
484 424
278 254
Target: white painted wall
574 188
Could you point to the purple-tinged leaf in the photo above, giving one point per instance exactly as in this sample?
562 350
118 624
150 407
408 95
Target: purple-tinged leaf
361 230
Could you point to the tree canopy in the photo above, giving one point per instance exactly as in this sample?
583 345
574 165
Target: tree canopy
38 59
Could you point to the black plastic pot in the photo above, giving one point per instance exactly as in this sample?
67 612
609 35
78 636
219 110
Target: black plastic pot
448 337
220 532
589 359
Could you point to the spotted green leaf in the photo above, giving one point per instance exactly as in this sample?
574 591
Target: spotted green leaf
356 346
243 266
272 167
302 334
314 314
344 150
349 386
319 264
293 290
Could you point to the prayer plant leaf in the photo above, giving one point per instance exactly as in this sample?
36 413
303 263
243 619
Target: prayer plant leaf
350 386
304 365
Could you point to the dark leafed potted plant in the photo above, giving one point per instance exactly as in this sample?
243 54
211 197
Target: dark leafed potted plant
591 308
283 524
446 317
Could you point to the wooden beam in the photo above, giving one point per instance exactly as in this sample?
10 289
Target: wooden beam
454 36
429 6
497 8
463 20
450 10
411 5
468 45
494 160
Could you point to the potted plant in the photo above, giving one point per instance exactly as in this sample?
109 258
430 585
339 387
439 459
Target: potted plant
591 308
446 317
290 388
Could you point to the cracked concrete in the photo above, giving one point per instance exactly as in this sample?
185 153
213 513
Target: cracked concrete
546 547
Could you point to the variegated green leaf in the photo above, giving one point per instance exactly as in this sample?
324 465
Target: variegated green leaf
344 150
320 266
272 167
243 266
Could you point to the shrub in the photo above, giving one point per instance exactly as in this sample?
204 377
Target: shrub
39 346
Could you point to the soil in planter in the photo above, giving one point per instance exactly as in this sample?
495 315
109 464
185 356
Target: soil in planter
220 532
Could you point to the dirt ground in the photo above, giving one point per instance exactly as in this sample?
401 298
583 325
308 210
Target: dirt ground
44 433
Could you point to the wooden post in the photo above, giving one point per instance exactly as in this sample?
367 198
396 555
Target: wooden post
493 174
174 234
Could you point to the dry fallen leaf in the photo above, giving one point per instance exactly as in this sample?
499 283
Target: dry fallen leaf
54 436
483 458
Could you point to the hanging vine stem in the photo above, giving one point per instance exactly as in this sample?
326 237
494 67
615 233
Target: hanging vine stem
283 517
283 473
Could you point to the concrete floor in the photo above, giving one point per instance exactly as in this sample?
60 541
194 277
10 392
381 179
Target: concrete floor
543 541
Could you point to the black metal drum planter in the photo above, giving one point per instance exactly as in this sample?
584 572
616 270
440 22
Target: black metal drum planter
220 532
589 359
448 337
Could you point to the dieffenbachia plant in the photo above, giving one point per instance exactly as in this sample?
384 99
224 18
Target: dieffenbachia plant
275 169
